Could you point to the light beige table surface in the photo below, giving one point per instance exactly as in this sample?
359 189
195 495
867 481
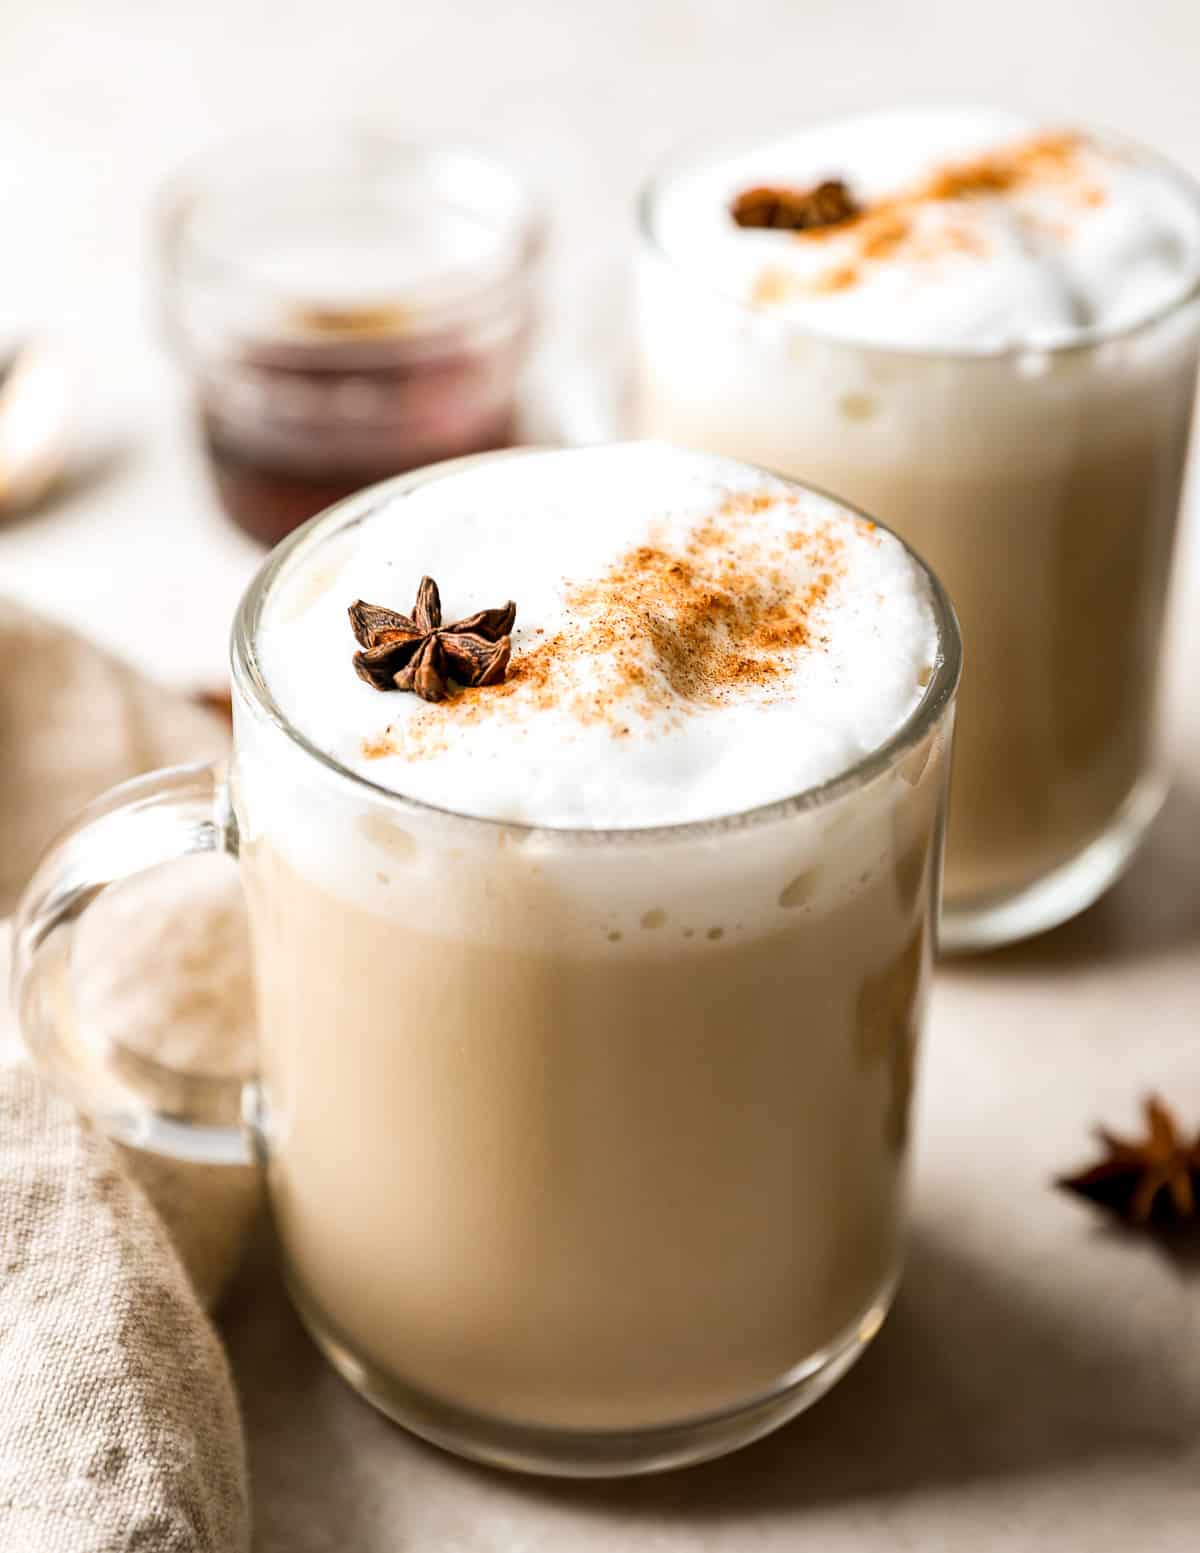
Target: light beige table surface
1038 1386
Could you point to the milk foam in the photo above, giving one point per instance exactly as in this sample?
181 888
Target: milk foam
602 727
1100 243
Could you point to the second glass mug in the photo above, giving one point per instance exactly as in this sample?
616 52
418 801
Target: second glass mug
587 1150
1044 486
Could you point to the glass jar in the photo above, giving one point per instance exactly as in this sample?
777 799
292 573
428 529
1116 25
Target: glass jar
349 305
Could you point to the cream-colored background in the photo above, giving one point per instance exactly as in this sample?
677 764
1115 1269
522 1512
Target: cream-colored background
1039 1384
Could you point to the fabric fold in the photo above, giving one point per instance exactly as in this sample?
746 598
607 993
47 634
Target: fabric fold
118 1429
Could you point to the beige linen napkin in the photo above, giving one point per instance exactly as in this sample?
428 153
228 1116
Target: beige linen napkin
118 1424
74 721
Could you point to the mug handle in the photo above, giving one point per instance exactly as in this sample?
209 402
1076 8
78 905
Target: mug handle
153 819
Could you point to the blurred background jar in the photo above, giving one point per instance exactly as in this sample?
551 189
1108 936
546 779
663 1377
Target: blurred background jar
349 305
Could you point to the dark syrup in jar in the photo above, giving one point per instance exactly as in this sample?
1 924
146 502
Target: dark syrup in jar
290 427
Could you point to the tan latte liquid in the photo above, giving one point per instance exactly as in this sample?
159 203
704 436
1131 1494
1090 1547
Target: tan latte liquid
559 1172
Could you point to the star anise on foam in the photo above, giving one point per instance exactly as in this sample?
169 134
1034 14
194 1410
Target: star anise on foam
420 654
1150 1180
796 210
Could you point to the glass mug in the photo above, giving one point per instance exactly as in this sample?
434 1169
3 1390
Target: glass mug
1044 486
587 1149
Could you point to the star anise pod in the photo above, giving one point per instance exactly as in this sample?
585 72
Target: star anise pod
796 210
1155 1179
420 654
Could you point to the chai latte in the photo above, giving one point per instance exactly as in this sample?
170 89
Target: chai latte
989 339
589 1016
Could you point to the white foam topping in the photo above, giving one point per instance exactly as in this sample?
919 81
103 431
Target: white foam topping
693 638
1056 237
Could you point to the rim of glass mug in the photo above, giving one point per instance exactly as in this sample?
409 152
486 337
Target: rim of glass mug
699 149
249 680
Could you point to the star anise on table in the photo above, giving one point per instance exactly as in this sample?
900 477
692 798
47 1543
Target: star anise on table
795 210
420 654
1150 1180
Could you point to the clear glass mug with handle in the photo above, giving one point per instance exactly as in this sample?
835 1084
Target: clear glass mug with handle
587 1149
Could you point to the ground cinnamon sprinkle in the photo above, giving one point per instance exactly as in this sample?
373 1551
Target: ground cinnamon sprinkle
774 285
891 226
839 279
675 627
1045 158
883 234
